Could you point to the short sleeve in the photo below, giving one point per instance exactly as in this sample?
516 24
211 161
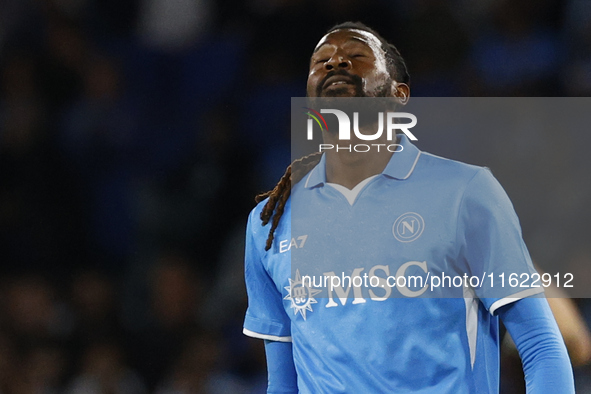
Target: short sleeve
491 244
265 317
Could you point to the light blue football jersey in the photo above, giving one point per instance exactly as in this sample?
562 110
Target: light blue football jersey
424 217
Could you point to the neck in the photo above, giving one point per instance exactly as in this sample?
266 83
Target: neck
349 168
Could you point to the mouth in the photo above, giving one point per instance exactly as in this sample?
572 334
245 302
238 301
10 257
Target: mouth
337 81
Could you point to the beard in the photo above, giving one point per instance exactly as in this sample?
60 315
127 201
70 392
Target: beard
356 81
340 97
341 91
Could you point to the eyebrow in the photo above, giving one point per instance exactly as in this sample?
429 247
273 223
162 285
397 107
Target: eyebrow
352 38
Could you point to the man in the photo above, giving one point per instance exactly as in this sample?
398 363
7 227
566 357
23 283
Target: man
320 340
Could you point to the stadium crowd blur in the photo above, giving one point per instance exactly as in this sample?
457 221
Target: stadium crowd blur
135 133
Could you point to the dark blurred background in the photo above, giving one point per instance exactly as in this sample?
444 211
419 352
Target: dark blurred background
135 133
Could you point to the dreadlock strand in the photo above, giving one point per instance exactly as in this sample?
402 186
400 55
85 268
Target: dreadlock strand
303 166
278 196
260 197
275 195
278 213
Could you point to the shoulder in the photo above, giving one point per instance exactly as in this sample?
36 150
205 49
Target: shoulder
464 182
255 223
452 168
257 232
453 174
473 188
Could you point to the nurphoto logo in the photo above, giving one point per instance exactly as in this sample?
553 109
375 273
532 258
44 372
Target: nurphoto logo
344 129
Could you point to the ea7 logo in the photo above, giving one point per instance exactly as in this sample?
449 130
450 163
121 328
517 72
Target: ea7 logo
297 242
345 124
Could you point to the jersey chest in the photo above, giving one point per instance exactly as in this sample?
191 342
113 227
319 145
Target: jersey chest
388 244
387 232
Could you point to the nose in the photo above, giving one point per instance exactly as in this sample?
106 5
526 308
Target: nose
337 61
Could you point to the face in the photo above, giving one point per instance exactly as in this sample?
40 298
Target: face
349 63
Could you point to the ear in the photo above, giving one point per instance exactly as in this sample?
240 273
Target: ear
401 92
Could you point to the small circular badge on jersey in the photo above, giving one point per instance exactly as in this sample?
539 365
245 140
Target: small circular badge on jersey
301 295
408 227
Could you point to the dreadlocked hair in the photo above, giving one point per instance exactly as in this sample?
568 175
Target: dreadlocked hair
273 209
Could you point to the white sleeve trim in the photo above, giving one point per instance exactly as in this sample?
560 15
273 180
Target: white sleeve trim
253 334
515 297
